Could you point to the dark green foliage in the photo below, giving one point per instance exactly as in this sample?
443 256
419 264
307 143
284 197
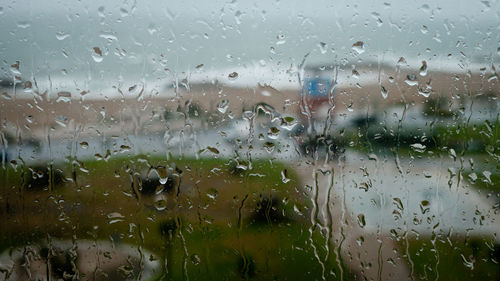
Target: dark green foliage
39 178
168 228
246 267
455 259
151 185
269 210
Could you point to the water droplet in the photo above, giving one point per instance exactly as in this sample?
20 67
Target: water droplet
237 17
213 149
115 217
160 205
61 35
15 68
108 36
424 92
63 97
423 68
23 24
13 163
453 154
493 77
355 74
124 148
473 177
426 8
97 54
163 180
424 29
233 76
284 176
152 29
359 47
28 87
350 107
469 264
361 220
100 11
273 133
424 206
383 91
84 145
269 146
195 259
281 39
248 115
106 157
487 176
222 106
123 12
323 47
212 193
452 171
486 4
288 123
411 80
398 203
6 96
418 147
132 88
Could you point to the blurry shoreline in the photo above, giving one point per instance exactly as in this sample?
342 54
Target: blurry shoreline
38 111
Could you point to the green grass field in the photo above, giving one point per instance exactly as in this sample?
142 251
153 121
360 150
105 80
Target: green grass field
224 220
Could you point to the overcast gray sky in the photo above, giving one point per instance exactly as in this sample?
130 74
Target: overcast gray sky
143 38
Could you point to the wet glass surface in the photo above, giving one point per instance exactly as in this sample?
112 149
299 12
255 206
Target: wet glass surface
249 140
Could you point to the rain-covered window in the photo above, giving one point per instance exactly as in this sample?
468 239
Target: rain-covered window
249 140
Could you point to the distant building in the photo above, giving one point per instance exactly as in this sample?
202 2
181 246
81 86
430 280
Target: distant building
318 88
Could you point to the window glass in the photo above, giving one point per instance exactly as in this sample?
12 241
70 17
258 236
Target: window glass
255 140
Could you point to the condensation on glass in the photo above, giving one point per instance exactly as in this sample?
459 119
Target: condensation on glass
254 140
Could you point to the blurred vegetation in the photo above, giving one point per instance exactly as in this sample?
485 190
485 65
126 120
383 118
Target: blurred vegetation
221 225
368 133
454 258
438 107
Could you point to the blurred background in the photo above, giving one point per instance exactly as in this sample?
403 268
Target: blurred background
253 140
